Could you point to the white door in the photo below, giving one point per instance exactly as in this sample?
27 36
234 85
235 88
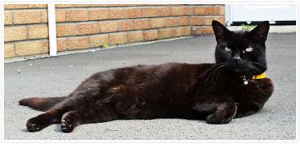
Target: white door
260 12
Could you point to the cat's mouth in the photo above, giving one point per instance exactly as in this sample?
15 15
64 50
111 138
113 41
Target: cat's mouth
238 70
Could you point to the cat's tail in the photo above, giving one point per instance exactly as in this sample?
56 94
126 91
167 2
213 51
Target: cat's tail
41 104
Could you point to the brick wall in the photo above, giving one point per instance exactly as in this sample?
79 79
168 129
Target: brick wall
84 26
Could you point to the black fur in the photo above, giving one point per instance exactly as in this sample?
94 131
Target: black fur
211 92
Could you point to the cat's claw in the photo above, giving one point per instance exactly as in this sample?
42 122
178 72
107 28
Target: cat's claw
66 126
33 125
68 123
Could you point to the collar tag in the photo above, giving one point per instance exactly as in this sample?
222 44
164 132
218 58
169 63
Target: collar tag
245 82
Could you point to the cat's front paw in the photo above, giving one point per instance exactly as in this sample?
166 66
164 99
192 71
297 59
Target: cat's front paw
224 114
68 122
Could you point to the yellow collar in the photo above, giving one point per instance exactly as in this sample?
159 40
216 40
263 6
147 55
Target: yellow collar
261 76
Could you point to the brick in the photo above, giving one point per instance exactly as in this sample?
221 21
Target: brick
222 11
177 11
208 20
35 32
28 48
9 51
201 30
150 12
206 10
87 5
164 11
142 24
45 48
150 35
106 5
177 32
187 11
110 26
7 17
98 40
196 20
117 13
60 15
90 28
125 4
65 5
135 36
183 21
135 13
37 5
117 38
208 4
77 43
76 15
23 17
44 16
66 30
171 4
98 14
14 6
164 33
15 34
171 22
157 4
187 31
126 25
142 4
60 45
158 23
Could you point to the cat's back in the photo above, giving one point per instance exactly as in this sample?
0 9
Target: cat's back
144 73
171 79
163 74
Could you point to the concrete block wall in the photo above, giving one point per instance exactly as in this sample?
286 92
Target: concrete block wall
84 26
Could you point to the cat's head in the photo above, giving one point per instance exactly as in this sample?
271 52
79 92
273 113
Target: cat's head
241 52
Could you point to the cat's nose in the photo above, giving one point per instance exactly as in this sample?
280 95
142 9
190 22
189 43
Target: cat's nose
237 58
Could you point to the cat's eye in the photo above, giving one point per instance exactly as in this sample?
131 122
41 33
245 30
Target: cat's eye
227 49
249 49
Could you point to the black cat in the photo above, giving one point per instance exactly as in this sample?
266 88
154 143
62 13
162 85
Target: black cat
233 87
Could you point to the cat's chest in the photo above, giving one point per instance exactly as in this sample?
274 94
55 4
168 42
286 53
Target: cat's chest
233 86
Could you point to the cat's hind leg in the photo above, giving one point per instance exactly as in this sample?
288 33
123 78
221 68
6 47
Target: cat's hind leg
54 114
97 113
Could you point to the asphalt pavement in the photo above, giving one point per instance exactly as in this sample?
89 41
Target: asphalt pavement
59 76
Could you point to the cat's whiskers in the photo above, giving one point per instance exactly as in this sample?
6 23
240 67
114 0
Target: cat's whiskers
248 70
218 71
207 70
212 73
223 66
218 67
258 64
210 69
254 68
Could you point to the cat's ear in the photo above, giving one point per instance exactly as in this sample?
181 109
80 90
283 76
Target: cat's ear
261 31
221 32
